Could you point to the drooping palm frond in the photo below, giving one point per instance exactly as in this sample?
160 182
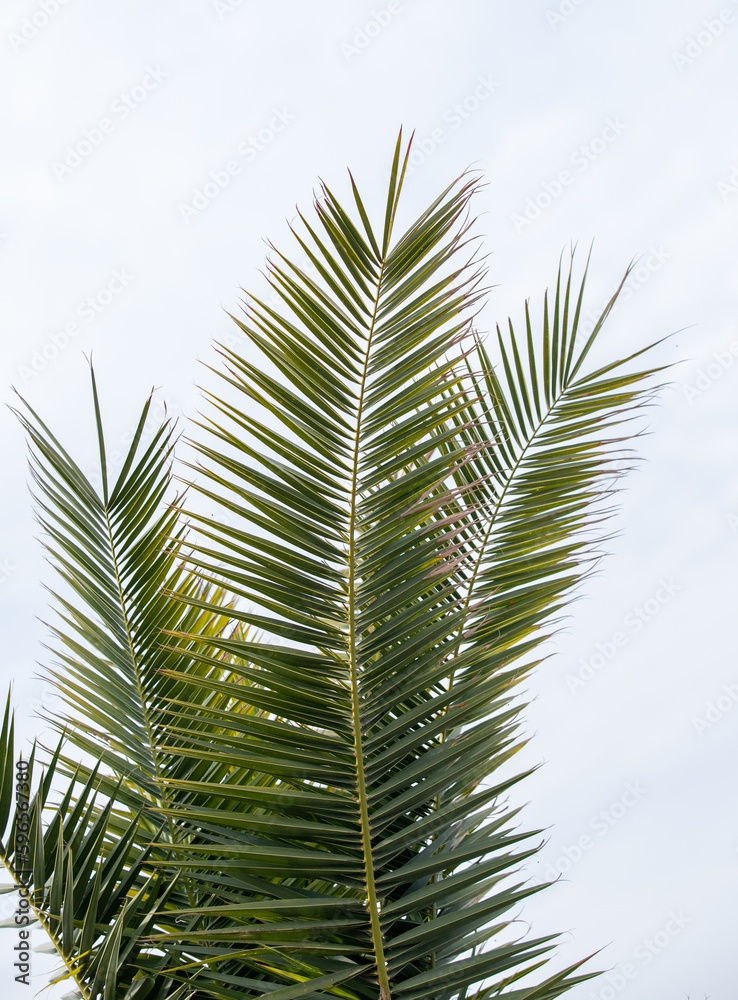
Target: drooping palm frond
360 503
97 882
541 492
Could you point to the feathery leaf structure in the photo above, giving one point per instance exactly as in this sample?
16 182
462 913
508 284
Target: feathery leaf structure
97 876
315 812
377 530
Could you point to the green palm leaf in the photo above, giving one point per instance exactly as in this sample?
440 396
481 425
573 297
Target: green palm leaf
560 449
317 811
377 529
95 872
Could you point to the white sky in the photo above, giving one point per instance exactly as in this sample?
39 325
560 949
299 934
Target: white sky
169 93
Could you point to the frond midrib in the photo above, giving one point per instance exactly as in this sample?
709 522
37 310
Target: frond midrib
536 428
361 783
163 799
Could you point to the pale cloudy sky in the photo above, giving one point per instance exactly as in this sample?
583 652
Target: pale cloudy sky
148 149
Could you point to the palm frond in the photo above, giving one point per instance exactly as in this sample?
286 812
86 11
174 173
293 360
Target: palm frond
116 552
320 810
96 897
376 528
94 867
542 493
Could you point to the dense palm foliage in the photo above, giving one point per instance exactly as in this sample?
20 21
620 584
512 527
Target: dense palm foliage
277 773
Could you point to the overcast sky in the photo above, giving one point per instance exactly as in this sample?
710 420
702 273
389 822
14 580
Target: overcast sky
149 149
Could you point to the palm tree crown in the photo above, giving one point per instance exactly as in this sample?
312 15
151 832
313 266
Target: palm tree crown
277 768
